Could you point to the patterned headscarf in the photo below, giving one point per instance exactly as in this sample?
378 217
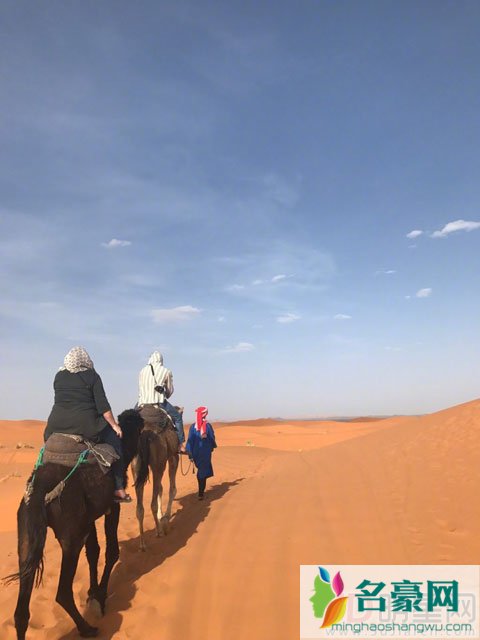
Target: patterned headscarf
76 360
201 422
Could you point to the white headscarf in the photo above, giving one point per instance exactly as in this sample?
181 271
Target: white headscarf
76 360
156 358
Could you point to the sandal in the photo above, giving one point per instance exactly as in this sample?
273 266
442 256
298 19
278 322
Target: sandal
127 498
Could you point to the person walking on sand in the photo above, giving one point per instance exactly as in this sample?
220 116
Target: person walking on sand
155 386
200 444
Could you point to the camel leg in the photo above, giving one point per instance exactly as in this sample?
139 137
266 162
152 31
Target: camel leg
156 504
22 612
172 474
140 511
93 553
70 553
92 549
112 552
140 514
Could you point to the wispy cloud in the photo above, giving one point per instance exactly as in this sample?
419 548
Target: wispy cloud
241 347
175 314
456 225
259 281
387 272
414 234
264 275
114 243
342 316
424 293
287 318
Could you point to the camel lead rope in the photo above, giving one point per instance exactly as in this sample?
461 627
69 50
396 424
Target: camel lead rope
188 468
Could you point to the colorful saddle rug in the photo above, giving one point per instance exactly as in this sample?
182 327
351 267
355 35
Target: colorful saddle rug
65 449
70 451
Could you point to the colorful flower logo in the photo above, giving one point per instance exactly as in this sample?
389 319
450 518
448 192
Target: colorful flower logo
326 601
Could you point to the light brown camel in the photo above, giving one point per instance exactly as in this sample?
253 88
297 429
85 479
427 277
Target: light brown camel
158 445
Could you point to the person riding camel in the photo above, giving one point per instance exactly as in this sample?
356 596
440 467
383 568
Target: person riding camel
81 408
155 386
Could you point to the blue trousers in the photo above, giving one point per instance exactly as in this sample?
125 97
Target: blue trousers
108 436
177 419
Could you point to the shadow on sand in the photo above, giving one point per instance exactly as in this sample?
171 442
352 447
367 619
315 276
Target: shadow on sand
134 564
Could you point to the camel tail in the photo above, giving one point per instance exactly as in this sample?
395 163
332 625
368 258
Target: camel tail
143 458
32 533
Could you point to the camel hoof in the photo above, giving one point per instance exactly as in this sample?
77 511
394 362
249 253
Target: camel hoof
89 632
165 525
95 608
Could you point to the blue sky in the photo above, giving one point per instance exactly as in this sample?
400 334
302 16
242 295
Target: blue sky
236 184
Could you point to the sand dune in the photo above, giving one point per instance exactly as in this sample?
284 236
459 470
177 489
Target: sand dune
400 490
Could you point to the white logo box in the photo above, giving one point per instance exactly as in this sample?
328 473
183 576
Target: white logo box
438 623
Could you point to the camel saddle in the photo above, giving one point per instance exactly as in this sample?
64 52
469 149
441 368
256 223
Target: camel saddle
155 418
65 449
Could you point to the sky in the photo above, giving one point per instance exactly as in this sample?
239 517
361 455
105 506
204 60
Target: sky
282 198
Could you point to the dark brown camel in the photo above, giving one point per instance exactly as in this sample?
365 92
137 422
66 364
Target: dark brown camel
88 495
158 445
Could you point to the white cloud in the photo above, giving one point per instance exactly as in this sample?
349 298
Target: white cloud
175 314
287 318
414 234
424 293
407 297
457 225
387 272
241 347
342 316
221 319
257 282
114 243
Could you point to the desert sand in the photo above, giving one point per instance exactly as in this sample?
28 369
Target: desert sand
394 491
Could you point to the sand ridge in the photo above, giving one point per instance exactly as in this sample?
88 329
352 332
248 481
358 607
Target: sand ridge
399 490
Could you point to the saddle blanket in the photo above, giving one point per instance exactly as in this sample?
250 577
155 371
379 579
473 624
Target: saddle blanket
155 418
64 449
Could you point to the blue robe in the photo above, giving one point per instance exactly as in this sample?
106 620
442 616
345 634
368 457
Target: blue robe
200 449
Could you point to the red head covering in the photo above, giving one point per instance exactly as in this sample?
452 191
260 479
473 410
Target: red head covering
201 423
